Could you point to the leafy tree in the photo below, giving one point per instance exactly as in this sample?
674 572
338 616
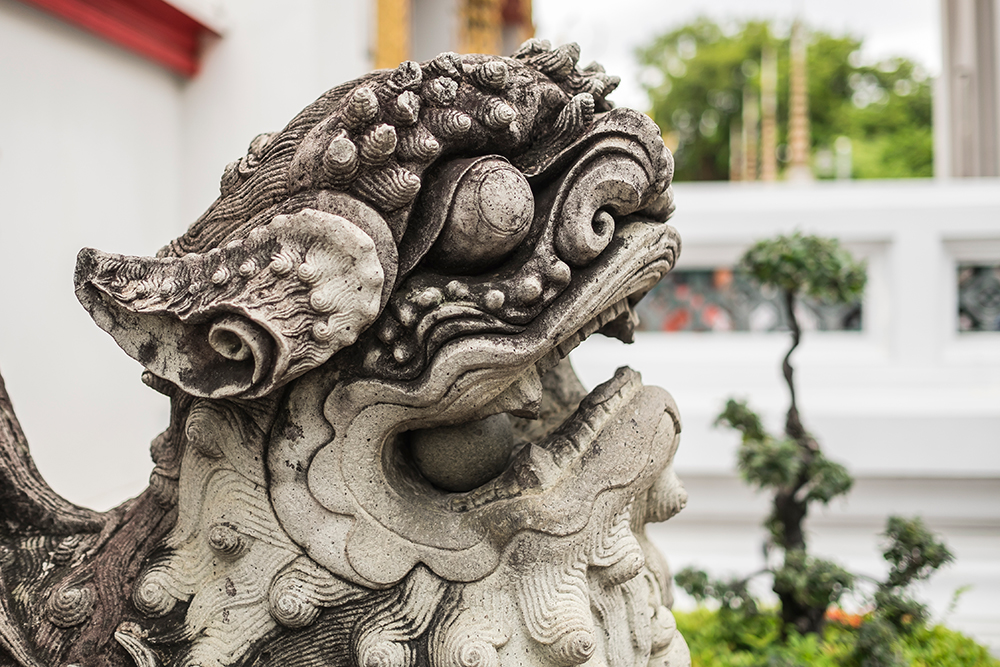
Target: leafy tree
885 109
793 468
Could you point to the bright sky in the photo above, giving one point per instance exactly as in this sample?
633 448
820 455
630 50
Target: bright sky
609 31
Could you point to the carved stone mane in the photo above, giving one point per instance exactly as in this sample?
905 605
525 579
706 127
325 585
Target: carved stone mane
378 454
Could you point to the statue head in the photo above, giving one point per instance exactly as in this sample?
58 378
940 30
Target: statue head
364 338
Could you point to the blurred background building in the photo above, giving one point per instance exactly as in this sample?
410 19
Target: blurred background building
117 117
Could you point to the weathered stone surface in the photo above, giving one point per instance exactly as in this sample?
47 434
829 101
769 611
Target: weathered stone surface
378 454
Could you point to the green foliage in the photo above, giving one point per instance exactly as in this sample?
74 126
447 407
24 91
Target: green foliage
732 594
719 640
827 479
764 462
899 610
803 264
913 551
884 109
941 647
794 468
738 416
769 463
812 582
877 645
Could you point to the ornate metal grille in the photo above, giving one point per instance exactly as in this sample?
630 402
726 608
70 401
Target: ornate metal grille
979 297
723 300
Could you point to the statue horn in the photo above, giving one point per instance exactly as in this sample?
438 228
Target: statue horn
240 320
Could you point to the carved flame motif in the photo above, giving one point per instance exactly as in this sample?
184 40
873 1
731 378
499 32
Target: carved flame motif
378 453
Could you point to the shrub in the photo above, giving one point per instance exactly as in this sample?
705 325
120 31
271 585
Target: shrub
718 641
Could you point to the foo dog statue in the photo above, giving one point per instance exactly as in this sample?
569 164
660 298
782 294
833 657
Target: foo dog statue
378 454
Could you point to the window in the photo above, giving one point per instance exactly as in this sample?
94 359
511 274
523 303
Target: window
978 297
720 299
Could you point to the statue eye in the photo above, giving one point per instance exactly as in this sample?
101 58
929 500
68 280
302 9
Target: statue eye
487 216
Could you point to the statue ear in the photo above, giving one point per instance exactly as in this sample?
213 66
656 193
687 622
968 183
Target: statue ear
238 321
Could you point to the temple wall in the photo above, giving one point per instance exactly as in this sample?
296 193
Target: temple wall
90 155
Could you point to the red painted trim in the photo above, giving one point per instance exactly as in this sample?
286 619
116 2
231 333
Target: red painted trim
152 28
513 12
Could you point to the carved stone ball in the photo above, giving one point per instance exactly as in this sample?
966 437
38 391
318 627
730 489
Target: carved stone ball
463 457
491 213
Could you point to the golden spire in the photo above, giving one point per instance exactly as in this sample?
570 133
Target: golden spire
798 109
392 41
769 114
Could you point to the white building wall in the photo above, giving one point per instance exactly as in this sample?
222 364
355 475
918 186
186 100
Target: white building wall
272 60
90 155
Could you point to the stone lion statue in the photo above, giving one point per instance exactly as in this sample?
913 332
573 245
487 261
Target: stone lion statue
378 454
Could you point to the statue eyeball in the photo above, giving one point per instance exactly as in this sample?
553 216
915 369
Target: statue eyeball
490 213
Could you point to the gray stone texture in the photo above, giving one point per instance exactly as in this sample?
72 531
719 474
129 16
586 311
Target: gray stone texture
378 453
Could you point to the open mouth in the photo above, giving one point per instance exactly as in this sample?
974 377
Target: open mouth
494 436
534 431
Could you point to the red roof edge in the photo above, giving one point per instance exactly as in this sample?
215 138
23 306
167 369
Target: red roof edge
154 29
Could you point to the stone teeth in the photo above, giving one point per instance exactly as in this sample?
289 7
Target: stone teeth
402 353
407 314
429 298
388 331
494 300
529 290
457 290
559 273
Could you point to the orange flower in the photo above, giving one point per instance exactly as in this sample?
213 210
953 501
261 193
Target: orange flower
838 615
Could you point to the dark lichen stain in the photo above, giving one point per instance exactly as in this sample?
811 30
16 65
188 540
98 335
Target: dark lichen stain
146 353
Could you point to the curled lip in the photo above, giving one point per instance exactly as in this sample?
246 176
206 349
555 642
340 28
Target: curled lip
338 496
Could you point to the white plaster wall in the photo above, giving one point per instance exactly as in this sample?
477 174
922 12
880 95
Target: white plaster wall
272 60
434 28
886 396
89 156
101 148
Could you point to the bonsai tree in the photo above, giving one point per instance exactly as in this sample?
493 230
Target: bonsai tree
793 468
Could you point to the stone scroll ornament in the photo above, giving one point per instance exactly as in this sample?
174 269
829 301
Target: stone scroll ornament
378 454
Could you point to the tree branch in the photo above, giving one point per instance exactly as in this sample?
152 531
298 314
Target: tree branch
793 425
